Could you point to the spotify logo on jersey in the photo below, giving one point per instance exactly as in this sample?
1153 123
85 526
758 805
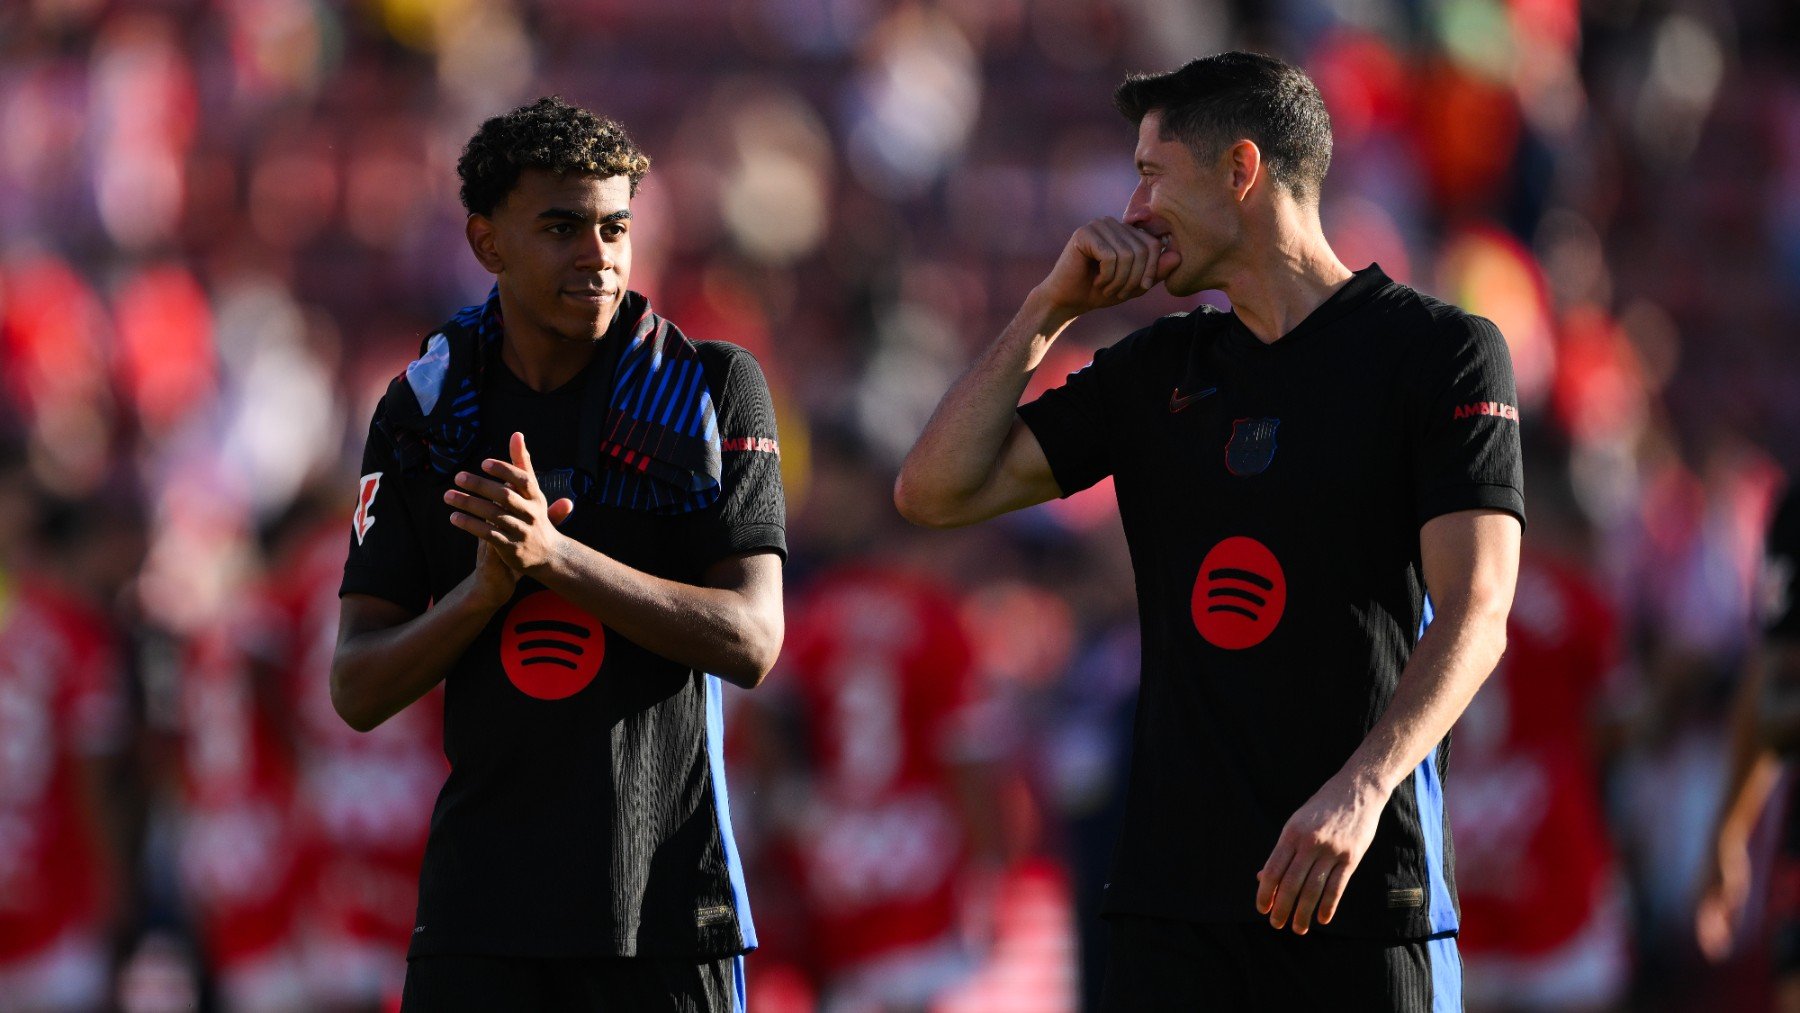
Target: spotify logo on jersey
549 648
1239 594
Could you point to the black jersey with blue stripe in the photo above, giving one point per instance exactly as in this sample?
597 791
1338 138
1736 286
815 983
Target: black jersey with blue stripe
1272 497
585 812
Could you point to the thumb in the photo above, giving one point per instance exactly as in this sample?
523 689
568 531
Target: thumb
1166 262
560 510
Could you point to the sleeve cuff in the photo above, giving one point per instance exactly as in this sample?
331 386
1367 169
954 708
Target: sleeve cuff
1473 497
752 538
370 580
1055 436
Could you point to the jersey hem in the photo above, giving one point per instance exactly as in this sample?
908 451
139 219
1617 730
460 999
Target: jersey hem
1202 915
460 947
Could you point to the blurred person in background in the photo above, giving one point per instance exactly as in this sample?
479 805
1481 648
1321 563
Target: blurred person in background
1088 759
901 818
364 799
243 846
580 854
1765 734
62 722
1231 438
1544 924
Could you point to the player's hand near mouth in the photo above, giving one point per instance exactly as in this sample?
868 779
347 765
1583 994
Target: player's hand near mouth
1105 263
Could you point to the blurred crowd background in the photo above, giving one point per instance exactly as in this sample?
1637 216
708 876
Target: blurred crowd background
224 224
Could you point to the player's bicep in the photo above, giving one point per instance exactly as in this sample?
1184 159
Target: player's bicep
366 613
758 625
1022 476
753 576
1471 561
1019 476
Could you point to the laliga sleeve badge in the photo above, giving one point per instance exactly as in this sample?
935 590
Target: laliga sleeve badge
364 517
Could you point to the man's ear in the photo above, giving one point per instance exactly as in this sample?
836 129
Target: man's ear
480 231
1244 161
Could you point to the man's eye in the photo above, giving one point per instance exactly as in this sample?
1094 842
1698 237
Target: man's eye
561 229
613 231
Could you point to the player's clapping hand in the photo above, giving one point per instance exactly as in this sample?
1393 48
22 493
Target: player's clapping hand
1317 851
1105 263
492 581
508 511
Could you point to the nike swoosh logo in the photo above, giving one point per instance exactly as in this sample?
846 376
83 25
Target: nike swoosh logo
1177 401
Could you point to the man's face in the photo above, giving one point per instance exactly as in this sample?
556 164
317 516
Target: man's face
561 248
1190 206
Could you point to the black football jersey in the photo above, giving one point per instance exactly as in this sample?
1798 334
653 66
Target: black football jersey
585 812
1272 496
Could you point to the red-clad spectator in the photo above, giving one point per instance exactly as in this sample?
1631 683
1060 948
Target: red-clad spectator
883 668
242 847
1543 911
365 798
61 719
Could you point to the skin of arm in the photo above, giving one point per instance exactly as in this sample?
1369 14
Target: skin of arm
975 459
1763 721
731 626
388 655
1471 560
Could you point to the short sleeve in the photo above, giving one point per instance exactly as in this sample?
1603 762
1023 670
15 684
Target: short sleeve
1466 423
1073 422
751 514
1781 572
386 557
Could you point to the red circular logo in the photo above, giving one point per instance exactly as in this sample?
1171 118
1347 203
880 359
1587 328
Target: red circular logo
549 648
1239 594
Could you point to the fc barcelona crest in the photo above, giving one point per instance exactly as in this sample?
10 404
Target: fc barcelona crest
1251 448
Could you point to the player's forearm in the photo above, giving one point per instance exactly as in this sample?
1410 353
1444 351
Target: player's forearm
378 673
1457 653
1752 765
716 630
961 448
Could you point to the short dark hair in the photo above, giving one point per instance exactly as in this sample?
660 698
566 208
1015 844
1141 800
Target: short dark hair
548 134
1216 100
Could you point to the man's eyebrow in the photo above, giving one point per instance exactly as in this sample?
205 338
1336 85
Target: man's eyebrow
571 215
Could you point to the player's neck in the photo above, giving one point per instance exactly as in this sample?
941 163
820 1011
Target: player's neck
1285 275
541 360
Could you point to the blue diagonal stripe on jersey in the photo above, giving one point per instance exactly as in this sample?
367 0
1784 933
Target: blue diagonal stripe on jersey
715 755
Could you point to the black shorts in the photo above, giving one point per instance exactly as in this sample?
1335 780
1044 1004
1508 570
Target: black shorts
1161 964
453 983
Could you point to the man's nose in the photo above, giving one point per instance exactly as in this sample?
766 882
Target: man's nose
1137 209
593 252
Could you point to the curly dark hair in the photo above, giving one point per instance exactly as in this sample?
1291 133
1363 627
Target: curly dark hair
548 134
1213 101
